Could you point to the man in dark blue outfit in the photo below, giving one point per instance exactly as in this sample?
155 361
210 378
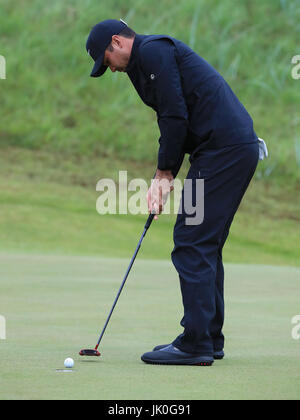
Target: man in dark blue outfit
198 114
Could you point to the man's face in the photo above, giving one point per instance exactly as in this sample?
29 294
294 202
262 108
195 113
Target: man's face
117 57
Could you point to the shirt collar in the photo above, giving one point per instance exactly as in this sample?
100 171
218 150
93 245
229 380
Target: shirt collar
134 52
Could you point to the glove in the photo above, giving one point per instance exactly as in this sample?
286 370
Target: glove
263 150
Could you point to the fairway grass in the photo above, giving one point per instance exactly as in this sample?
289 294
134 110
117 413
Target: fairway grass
54 306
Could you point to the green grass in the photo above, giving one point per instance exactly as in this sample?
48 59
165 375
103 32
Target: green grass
62 131
49 102
56 305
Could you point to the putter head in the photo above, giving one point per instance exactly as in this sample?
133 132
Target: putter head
89 352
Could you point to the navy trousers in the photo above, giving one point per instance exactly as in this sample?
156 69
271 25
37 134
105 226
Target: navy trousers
197 254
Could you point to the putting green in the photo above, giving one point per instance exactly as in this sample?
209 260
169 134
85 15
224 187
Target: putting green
54 306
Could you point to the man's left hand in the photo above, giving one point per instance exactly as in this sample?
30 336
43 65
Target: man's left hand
161 186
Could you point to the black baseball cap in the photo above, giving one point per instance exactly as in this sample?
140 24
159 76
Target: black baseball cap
99 39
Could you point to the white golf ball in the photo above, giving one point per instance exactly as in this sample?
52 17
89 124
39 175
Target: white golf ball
69 363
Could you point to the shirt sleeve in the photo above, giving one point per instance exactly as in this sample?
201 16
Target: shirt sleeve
160 68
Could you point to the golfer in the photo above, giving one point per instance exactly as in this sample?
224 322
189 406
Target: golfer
197 114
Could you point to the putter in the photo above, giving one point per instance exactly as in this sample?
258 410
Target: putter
95 352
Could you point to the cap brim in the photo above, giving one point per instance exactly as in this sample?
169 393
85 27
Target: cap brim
99 69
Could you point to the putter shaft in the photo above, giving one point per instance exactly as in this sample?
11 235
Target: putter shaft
147 225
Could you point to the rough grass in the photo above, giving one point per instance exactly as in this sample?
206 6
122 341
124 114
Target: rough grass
48 100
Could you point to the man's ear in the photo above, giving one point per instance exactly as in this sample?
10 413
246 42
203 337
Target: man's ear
116 41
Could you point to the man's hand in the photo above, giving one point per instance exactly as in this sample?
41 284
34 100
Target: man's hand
158 193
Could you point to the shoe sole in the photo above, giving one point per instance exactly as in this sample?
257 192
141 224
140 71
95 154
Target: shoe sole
217 355
178 362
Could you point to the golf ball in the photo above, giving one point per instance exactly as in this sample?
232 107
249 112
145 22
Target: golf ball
69 363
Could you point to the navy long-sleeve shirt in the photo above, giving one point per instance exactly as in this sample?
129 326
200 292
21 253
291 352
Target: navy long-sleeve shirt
195 106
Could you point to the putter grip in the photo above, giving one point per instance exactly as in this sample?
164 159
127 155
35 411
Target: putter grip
149 221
